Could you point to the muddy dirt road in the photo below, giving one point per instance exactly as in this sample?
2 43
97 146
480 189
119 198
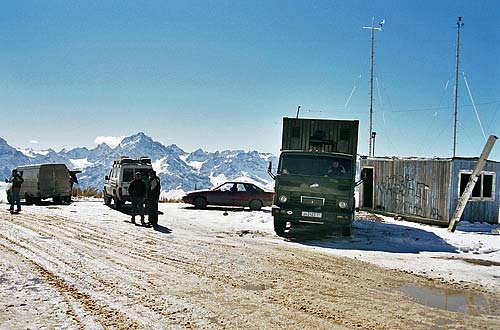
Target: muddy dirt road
85 266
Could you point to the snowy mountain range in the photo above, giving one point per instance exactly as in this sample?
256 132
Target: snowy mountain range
179 170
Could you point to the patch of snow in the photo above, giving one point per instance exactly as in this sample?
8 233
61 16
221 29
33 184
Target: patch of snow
3 192
27 152
80 163
266 157
111 141
196 165
218 180
427 250
160 166
42 152
173 194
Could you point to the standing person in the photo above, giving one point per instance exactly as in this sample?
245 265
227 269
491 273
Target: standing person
137 191
153 198
15 198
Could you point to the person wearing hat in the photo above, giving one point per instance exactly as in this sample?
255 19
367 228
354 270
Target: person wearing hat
16 180
137 191
153 198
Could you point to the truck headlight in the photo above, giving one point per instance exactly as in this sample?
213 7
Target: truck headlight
283 199
342 204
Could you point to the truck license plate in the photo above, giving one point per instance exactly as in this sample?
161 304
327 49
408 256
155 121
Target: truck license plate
311 214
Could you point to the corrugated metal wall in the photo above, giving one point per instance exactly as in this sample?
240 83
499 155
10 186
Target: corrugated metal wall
412 187
303 134
475 210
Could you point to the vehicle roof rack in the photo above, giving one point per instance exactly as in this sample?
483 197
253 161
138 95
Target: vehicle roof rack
127 160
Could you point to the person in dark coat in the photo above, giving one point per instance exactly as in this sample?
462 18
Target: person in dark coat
15 189
153 198
137 191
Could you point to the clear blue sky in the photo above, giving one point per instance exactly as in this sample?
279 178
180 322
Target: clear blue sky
221 74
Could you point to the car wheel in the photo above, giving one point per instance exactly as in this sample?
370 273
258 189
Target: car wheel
279 227
56 200
255 204
200 202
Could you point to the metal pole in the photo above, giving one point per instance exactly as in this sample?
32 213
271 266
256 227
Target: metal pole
371 92
298 110
455 113
372 28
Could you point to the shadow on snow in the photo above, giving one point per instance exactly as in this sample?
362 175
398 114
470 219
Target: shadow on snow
227 209
386 237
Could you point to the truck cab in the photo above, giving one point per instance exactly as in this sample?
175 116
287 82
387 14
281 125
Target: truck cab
314 184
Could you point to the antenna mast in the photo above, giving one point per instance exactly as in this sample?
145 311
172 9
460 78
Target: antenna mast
455 113
372 28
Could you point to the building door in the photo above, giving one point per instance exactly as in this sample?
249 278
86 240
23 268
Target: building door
368 188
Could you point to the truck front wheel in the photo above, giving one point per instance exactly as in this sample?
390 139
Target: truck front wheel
347 231
279 227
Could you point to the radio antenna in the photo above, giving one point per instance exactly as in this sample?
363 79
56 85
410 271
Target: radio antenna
455 112
372 28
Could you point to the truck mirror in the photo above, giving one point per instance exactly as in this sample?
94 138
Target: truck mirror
270 171
106 178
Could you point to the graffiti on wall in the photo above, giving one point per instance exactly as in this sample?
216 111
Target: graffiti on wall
406 195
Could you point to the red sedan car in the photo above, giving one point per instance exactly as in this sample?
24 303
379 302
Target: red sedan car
231 194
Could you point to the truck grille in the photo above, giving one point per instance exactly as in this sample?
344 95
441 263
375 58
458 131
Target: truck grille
316 202
312 201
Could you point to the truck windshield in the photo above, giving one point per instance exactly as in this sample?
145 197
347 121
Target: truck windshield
311 165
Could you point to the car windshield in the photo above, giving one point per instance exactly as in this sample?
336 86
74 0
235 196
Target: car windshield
312 165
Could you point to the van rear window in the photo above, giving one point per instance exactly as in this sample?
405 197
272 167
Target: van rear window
128 175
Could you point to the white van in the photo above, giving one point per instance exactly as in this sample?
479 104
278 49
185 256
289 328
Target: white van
121 174
44 181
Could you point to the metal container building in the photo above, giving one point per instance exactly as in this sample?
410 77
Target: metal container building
427 189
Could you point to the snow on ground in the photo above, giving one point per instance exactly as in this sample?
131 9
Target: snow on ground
471 254
3 194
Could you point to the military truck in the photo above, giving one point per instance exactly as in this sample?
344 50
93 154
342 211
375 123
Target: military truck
314 184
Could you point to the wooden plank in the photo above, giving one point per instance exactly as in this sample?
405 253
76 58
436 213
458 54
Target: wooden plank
462 202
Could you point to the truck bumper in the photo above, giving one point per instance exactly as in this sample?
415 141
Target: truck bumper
299 216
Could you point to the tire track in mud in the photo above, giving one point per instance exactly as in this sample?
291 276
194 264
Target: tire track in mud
202 273
225 281
111 286
198 273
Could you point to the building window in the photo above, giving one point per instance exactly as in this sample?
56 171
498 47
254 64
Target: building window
484 190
